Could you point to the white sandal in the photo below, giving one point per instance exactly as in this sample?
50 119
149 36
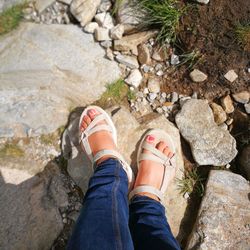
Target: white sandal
95 127
169 164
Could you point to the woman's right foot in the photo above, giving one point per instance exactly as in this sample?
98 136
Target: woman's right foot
151 173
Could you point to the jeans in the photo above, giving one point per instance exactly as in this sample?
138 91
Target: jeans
108 222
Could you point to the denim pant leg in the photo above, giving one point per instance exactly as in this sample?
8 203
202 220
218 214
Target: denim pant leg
149 227
103 221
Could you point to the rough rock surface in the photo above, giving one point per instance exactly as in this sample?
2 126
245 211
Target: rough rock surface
46 73
224 216
30 217
84 10
210 144
129 133
41 5
5 4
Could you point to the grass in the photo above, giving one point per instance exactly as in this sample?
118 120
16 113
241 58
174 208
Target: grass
115 93
11 150
191 182
190 59
243 35
52 138
160 14
11 18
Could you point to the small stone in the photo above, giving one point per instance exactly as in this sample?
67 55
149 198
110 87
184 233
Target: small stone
73 215
231 76
102 34
220 115
105 20
174 97
144 54
163 95
153 85
116 32
198 76
194 95
135 78
91 27
174 59
242 97
129 61
247 107
186 196
160 54
145 91
109 54
152 96
229 121
203 1
145 68
159 73
159 110
65 221
223 126
158 66
248 70
105 6
106 44
227 104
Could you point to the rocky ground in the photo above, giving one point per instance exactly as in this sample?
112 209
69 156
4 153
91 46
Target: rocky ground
59 60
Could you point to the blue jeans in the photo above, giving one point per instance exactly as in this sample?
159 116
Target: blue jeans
107 222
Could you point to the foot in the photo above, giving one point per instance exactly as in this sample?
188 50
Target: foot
151 173
99 140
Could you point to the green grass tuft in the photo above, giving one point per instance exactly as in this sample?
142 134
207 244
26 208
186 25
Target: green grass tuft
160 14
191 182
190 59
11 150
11 18
243 35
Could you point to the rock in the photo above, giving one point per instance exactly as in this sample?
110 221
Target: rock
174 97
130 42
41 5
105 6
247 107
159 73
198 76
227 104
174 59
153 85
125 17
45 67
84 10
129 132
30 217
244 161
160 54
129 61
143 54
231 76
105 20
203 1
116 32
220 115
106 44
91 27
102 34
223 218
135 78
109 54
152 96
242 97
210 145
223 126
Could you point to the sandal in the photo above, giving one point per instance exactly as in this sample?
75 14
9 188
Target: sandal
95 127
169 164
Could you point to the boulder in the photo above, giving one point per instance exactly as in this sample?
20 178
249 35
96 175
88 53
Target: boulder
30 217
129 133
45 73
210 144
84 10
224 215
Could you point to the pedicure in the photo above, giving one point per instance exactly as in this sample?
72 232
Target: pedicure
150 138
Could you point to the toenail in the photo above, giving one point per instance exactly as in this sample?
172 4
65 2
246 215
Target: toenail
92 111
150 138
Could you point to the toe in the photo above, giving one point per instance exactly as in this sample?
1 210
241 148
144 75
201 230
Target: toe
161 146
92 113
87 119
151 140
166 151
83 126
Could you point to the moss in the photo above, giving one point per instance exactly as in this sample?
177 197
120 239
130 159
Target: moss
11 150
11 18
116 93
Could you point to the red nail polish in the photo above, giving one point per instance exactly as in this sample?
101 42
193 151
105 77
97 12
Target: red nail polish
150 138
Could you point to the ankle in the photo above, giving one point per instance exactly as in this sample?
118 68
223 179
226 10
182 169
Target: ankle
152 196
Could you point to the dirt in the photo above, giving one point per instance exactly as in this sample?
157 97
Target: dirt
210 29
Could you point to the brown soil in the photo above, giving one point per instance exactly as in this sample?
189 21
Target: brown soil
210 29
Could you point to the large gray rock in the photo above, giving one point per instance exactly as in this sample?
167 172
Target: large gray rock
5 4
210 144
129 133
84 10
45 71
29 204
224 216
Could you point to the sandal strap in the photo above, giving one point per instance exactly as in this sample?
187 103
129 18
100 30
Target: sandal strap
155 151
146 189
104 152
